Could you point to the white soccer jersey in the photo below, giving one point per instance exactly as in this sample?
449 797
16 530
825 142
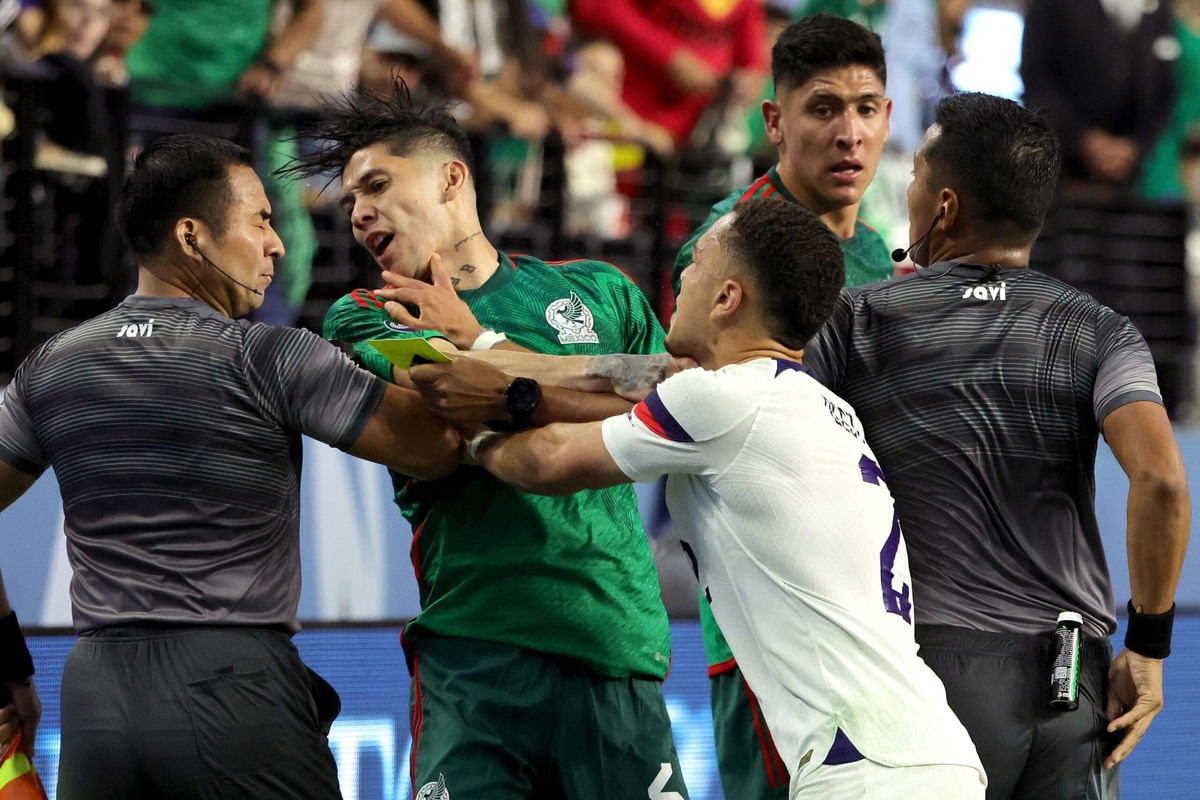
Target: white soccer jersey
790 526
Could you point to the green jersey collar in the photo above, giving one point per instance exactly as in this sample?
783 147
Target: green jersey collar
777 182
502 277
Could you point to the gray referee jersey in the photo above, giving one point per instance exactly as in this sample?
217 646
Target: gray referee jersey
174 433
983 400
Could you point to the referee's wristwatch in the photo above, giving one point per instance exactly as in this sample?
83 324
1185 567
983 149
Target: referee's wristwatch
520 398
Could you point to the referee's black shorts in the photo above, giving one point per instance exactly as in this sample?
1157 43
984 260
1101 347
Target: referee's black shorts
999 686
191 713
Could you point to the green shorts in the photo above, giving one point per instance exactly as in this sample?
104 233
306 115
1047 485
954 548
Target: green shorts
499 722
747 760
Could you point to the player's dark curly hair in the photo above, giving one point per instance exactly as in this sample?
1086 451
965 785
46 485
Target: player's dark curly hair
184 175
354 122
795 261
822 42
1001 155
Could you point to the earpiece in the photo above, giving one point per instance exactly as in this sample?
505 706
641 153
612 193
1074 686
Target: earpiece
899 255
191 242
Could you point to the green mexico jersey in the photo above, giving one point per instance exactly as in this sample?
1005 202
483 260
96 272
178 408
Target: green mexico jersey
572 576
867 258
867 261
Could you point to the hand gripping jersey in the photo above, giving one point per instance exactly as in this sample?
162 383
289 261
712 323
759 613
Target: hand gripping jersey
570 576
799 551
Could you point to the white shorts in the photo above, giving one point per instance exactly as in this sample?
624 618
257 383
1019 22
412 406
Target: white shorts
866 780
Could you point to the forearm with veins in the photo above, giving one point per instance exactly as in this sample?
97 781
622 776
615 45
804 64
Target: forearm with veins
630 376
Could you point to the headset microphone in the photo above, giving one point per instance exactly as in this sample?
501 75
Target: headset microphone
191 240
899 255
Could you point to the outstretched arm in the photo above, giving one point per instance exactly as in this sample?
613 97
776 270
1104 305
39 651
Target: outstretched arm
556 460
632 376
470 392
1158 519
404 435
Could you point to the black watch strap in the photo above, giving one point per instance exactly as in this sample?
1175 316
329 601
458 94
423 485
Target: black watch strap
521 397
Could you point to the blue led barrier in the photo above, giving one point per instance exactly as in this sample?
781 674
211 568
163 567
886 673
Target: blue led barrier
370 740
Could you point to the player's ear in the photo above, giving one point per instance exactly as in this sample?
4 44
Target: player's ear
455 178
729 299
771 116
184 236
951 208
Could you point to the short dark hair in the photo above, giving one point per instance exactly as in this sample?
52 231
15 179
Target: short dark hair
183 175
1002 156
795 262
357 121
822 42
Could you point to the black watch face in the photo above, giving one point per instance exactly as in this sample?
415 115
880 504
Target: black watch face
522 395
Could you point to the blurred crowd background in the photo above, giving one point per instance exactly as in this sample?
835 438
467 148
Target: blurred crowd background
601 129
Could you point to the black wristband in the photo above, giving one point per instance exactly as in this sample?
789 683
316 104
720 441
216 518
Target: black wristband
1149 634
15 662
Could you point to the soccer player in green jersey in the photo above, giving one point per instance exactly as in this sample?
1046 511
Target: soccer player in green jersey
542 641
829 124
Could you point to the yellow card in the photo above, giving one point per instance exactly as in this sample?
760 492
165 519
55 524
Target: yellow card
402 351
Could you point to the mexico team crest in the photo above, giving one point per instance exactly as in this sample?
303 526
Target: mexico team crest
573 321
434 790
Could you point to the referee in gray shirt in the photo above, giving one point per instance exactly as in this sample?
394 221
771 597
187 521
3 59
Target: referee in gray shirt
983 387
174 432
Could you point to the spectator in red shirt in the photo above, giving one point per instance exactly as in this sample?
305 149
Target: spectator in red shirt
677 52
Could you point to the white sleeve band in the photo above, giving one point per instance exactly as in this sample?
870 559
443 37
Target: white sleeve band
487 339
477 442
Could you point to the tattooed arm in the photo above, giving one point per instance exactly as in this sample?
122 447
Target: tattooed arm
634 376
468 392
630 376
471 389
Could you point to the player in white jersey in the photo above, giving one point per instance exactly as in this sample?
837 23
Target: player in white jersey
795 538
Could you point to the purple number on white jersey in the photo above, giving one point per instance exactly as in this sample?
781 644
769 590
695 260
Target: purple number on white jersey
894 602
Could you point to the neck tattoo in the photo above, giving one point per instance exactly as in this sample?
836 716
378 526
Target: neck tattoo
467 268
461 242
